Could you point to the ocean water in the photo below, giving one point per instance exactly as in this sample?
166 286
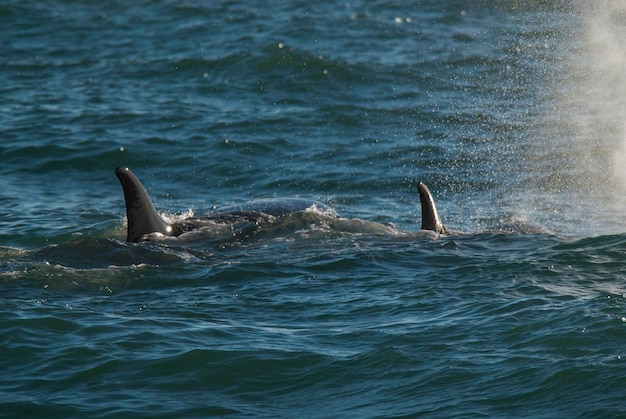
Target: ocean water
512 112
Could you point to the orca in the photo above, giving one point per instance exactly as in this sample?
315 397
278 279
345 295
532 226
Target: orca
143 220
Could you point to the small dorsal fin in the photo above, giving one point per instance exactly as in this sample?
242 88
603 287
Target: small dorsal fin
430 216
141 215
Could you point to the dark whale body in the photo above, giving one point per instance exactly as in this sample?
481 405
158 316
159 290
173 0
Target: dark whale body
144 220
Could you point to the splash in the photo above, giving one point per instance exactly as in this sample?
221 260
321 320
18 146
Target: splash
581 164
619 161
605 52
558 156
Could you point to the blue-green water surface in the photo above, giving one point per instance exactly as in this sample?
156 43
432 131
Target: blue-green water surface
512 112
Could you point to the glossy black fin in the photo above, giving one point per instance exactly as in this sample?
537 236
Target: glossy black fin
430 216
141 215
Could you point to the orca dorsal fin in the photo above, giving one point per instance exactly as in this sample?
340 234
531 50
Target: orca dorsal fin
141 215
430 216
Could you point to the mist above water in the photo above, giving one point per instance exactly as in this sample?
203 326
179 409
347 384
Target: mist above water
580 151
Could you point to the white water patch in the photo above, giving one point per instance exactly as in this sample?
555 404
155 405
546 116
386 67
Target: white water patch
315 209
174 218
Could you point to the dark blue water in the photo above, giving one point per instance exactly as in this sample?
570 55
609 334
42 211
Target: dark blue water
512 112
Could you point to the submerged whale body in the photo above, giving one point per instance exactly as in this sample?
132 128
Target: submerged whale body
143 220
